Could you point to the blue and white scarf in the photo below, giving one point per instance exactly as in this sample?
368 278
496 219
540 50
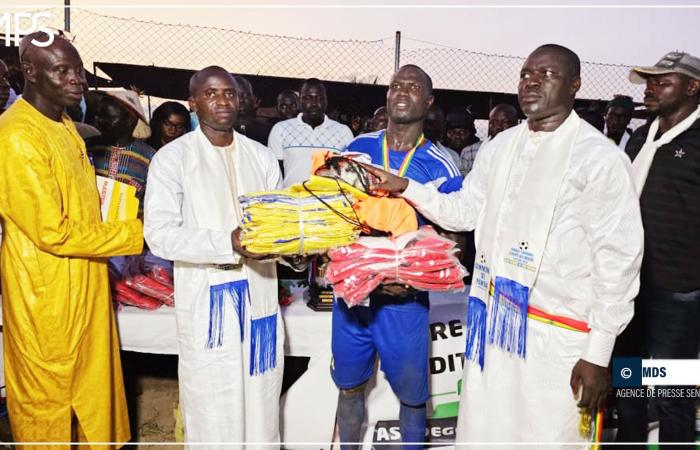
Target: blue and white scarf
214 178
505 269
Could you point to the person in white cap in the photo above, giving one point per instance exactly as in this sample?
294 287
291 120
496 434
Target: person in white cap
666 171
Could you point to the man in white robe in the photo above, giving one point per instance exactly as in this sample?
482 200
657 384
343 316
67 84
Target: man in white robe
230 335
559 246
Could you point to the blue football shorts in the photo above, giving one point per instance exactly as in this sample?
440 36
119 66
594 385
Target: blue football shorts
396 330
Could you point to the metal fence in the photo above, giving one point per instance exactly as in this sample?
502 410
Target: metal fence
101 37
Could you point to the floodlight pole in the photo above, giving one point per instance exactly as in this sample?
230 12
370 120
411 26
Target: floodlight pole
66 15
397 51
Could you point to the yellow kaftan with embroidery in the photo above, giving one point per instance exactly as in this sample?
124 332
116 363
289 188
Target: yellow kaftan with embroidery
60 336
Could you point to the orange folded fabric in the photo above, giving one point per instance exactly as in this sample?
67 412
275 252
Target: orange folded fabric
393 215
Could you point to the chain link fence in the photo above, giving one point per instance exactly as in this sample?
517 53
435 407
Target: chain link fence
454 68
105 38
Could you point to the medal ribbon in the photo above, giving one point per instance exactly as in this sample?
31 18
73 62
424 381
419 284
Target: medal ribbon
406 159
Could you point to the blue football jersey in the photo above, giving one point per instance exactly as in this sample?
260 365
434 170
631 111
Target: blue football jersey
429 165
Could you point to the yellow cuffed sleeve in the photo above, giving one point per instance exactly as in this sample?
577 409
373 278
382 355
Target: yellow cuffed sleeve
32 196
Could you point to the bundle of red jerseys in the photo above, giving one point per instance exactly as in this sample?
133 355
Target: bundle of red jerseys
148 290
422 259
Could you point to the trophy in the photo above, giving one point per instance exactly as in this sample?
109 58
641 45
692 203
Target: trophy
320 291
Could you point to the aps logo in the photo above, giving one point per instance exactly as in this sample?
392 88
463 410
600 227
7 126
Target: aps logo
17 24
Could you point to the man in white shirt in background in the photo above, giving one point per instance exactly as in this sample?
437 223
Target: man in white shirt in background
294 141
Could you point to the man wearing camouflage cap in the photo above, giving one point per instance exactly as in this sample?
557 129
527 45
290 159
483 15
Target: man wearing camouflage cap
666 162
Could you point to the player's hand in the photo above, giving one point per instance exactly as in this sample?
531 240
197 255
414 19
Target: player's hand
240 249
593 382
388 183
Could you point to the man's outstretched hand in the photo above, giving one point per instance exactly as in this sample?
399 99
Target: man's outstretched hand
594 382
388 183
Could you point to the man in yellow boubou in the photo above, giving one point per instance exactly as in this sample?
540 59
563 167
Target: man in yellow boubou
63 373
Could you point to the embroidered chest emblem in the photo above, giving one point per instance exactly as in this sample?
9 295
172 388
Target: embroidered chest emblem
521 256
679 153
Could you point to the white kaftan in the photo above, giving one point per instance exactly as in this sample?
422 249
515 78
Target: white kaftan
589 272
220 400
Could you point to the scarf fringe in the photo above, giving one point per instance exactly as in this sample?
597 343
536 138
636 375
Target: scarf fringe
263 344
234 292
476 330
508 324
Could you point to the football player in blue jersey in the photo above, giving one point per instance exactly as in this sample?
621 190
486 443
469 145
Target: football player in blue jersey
393 322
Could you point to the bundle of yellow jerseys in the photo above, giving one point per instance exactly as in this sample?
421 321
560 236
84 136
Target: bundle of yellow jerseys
294 221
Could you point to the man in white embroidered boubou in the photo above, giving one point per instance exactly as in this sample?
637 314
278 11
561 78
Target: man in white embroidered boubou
230 335
559 245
